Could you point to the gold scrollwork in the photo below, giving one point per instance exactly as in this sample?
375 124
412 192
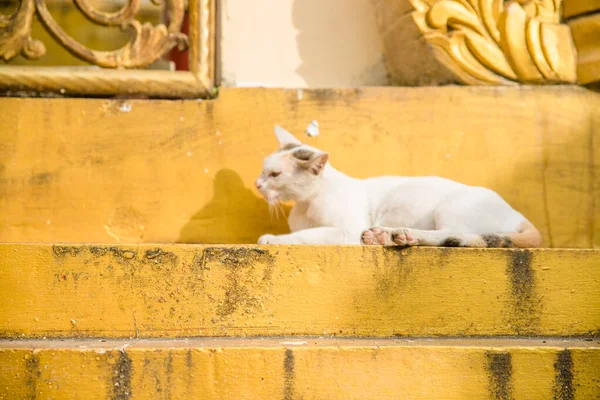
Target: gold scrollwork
148 42
493 42
15 34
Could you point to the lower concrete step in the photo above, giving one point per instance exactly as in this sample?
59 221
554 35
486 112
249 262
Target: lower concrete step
197 290
301 368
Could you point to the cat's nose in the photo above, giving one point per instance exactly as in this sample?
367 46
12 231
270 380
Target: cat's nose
258 184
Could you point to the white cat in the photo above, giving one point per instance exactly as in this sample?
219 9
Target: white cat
333 208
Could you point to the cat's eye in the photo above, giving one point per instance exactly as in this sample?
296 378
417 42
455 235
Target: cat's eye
274 174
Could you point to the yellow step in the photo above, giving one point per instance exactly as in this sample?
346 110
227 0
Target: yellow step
78 290
301 368
130 171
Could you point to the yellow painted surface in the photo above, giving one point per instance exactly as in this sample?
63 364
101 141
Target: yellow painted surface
93 170
310 368
192 290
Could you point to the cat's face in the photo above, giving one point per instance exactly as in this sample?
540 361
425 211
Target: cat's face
291 172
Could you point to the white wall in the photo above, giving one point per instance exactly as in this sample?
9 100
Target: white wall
300 43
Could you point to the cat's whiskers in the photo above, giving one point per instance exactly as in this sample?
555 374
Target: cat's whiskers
275 207
271 201
280 208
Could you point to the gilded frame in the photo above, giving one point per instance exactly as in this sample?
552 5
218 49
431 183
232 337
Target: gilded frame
198 82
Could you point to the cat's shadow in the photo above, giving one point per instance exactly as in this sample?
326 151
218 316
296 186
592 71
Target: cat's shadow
235 215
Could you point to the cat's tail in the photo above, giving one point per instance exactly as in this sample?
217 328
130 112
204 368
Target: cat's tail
527 236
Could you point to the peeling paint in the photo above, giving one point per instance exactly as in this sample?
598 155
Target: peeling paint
62 251
526 304
288 375
393 272
563 388
33 373
499 367
121 255
120 382
159 256
189 361
169 375
243 287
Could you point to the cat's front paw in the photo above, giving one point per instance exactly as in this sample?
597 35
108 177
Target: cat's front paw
266 239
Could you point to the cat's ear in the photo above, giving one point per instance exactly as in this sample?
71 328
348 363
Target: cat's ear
314 161
285 137
318 162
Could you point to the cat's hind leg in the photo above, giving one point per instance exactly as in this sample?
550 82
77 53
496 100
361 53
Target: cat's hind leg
383 236
443 238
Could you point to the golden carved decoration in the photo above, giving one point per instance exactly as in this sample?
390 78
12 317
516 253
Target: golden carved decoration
15 34
493 42
584 21
148 43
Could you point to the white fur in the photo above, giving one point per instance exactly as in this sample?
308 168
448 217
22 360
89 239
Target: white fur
333 208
